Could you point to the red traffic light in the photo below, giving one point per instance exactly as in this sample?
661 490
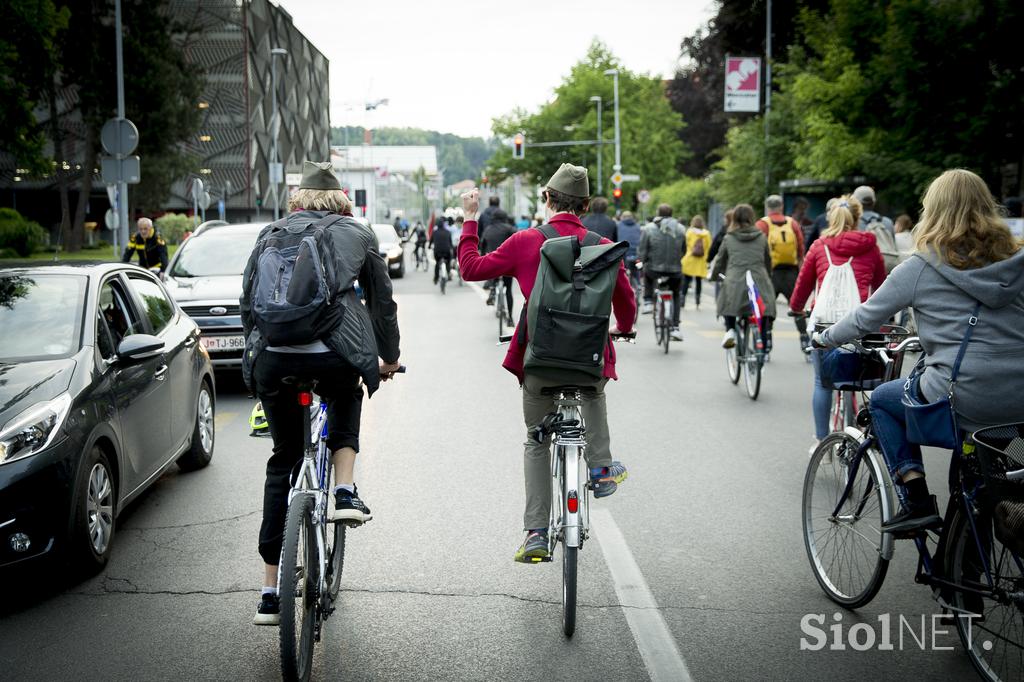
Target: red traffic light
617 192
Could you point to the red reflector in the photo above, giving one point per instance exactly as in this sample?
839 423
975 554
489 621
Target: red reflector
573 503
305 398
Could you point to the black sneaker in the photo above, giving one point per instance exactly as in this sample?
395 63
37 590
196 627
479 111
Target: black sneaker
350 509
268 611
914 518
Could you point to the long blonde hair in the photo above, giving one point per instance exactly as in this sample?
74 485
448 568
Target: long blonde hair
844 216
961 222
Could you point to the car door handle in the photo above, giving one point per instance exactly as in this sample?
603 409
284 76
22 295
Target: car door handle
161 373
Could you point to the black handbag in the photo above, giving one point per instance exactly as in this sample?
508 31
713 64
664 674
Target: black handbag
935 423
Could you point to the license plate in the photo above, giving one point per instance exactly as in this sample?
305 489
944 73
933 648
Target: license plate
216 343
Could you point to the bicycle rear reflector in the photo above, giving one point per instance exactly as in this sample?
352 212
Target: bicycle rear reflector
305 398
573 503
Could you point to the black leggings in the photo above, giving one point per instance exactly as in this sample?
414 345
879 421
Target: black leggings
339 386
686 286
447 258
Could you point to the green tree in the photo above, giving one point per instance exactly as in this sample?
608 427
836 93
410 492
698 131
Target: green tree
28 57
687 197
649 127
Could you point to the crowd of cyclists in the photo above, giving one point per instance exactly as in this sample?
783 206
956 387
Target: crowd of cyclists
958 268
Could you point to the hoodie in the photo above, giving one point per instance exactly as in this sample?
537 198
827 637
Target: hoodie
991 382
868 265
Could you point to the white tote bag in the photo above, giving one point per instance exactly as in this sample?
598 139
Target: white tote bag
838 293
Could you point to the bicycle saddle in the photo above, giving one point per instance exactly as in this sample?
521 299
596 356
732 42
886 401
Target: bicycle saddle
662 281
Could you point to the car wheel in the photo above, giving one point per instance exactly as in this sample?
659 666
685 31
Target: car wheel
200 452
95 508
401 269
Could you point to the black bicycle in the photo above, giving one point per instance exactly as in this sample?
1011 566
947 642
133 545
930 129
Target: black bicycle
974 563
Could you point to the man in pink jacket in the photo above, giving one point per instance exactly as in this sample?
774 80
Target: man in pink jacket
566 198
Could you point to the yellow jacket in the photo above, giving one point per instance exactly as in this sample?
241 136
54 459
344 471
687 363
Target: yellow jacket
696 266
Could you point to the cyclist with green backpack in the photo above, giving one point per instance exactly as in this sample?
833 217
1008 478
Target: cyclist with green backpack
572 280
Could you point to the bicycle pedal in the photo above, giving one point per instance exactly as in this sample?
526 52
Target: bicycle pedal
540 559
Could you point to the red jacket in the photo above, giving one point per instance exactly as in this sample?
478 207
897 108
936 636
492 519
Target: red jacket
519 257
868 266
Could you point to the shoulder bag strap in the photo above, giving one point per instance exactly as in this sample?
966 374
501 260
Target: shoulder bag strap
828 256
591 239
972 322
548 231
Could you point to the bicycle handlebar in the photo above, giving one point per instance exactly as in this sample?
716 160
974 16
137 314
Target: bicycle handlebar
627 337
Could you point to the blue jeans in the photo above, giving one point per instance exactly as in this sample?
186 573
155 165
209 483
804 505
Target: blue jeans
890 420
821 399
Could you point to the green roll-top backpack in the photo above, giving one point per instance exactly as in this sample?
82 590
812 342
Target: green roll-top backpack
568 312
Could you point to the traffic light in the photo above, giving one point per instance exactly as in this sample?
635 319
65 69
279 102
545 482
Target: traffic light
360 198
617 196
519 146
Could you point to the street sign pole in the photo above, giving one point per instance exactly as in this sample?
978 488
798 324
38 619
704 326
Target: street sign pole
122 185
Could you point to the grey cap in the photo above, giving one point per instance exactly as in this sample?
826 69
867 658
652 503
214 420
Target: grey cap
319 175
571 180
864 195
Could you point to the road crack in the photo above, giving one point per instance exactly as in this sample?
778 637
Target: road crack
142 529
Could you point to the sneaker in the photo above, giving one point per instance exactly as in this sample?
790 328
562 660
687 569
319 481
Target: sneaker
349 508
805 344
607 483
648 308
268 611
729 340
676 334
914 518
534 548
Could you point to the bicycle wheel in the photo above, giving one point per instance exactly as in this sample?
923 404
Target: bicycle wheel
569 557
666 325
751 361
656 319
732 362
846 550
299 581
336 562
443 279
995 640
499 307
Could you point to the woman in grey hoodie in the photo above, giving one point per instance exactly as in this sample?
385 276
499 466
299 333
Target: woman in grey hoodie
965 256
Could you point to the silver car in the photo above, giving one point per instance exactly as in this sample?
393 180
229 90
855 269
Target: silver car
205 278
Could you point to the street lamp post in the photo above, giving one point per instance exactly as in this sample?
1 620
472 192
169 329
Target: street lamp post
600 141
618 138
276 171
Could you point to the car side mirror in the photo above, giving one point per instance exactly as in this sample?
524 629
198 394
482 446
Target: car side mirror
139 347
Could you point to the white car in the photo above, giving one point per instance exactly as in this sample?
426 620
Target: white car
390 246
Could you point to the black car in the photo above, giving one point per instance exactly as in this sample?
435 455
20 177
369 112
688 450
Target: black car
103 386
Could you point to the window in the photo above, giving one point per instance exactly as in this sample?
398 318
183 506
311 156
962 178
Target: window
158 307
119 316
40 316
103 342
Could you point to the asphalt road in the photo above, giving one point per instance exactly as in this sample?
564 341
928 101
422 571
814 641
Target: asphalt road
710 515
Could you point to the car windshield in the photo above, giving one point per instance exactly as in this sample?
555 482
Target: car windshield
386 234
40 316
214 254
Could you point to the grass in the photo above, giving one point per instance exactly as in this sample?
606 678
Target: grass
105 254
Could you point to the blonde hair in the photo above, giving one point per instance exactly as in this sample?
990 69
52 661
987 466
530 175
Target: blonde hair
333 200
697 222
844 216
742 216
961 222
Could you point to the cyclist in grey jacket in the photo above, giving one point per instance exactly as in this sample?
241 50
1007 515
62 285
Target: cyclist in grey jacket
661 249
966 255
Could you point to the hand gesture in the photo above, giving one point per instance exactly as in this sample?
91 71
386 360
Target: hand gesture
471 203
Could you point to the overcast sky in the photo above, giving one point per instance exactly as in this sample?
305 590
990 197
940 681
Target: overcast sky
453 66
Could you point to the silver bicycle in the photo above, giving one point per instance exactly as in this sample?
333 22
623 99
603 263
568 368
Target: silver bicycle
569 520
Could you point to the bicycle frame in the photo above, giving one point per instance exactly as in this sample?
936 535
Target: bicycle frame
570 522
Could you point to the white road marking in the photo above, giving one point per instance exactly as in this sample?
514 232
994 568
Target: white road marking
657 647
479 290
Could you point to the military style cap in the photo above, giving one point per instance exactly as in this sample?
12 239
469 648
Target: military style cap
571 180
318 175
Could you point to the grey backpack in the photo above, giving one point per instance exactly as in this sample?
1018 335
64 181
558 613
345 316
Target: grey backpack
294 290
568 312
886 241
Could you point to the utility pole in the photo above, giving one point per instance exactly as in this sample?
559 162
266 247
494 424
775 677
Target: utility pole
276 171
618 138
767 95
600 140
122 186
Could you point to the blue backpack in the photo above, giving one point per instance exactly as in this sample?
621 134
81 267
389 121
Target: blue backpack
294 289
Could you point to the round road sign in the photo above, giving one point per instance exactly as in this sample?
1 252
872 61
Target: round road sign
119 136
616 178
110 218
643 196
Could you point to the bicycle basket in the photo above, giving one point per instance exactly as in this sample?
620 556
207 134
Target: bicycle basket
1001 449
846 370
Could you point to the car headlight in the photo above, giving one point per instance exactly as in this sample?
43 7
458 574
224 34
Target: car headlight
34 429
394 252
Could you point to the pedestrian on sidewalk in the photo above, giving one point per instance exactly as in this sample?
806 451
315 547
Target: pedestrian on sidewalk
695 262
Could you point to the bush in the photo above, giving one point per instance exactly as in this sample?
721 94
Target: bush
173 226
19 234
687 197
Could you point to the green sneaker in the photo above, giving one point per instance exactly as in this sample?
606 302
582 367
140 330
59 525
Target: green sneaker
534 548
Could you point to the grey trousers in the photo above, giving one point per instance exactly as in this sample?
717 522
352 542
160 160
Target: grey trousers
537 456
